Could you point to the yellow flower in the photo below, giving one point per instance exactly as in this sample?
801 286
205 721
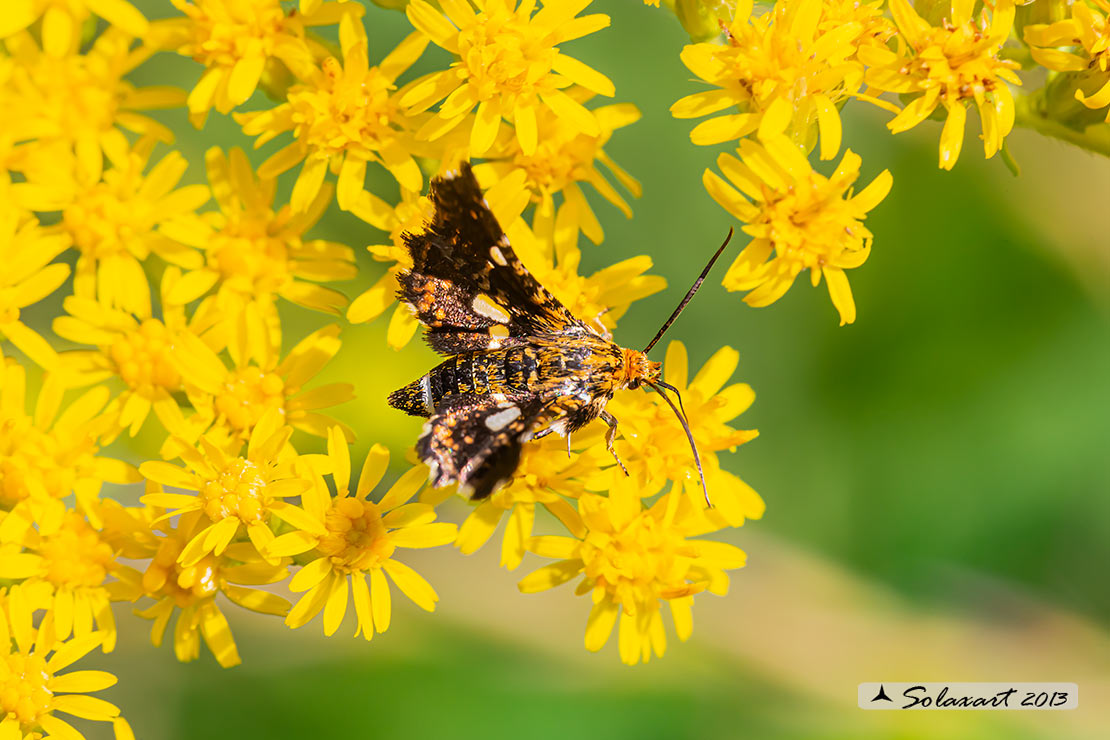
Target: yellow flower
32 688
61 21
797 219
654 448
234 401
632 559
114 218
547 476
136 348
47 457
73 562
342 118
352 539
509 65
192 588
234 492
1087 29
79 100
778 59
255 253
238 41
26 251
564 157
950 65
875 28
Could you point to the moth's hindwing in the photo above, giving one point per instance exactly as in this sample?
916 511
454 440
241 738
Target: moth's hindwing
467 286
476 441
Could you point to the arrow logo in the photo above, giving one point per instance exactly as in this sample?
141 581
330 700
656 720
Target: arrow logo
882 695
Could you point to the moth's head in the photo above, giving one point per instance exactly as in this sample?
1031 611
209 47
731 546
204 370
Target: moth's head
639 369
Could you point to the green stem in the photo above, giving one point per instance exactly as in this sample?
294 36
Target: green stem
1094 138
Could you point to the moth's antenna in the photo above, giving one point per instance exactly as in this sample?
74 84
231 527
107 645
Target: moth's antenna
685 428
689 295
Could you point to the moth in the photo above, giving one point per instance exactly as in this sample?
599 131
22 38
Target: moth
519 364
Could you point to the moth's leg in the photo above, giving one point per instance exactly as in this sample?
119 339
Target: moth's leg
568 445
610 436
542 433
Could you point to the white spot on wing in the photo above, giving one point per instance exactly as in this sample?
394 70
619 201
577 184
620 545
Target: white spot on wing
426 387
497 256
497 422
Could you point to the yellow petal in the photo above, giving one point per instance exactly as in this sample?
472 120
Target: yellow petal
85 707
217 636
952 136
336 606
553 546
599 625
244 77
412 584
841 294
121 14
874 193
582 74
486 125
310 575
550 576
380 599
571 111
73 651
308 184
429 20
478 527
524 117
82 681
828 123
425 535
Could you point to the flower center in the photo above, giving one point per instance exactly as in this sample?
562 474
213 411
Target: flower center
75 555
142 357
249 256
249 393
767 61
634 563
352 110
505 56
23 687
966 65
166 577
225 31
105 221
34 461
557 162
240 490
357 539
75 95
810 226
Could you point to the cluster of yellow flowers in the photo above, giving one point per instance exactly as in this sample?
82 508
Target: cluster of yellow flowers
165 318
171 293
782 75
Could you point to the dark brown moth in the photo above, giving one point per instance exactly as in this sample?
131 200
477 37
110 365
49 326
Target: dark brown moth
520 365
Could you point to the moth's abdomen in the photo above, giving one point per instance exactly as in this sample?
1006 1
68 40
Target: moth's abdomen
507 372
414 398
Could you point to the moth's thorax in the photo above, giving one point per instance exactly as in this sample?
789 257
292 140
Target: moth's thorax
638 369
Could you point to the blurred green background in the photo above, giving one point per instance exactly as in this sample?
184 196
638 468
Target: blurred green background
936 475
